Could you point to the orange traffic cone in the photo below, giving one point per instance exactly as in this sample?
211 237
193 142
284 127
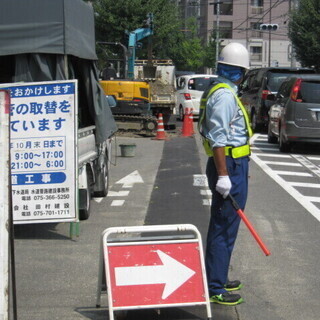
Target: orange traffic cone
160 129
186 127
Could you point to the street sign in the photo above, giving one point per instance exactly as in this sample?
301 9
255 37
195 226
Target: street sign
43 148
4 204
153 271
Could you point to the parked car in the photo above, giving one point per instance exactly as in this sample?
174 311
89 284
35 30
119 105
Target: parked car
257 85
295 114
189 92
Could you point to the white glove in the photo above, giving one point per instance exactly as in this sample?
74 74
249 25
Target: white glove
223 186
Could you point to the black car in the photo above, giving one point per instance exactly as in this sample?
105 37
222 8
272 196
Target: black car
257 85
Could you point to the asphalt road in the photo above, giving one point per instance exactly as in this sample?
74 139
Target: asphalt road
57 275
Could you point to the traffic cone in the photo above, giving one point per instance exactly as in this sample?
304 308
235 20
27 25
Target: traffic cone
160 129
186 126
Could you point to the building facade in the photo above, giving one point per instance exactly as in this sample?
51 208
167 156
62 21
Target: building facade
241 20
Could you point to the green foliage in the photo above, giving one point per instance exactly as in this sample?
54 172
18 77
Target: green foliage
304 33
170 39
210 53
113 18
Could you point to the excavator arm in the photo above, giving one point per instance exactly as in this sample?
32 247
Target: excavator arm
134 37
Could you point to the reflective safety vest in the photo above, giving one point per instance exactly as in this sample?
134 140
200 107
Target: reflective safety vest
235 152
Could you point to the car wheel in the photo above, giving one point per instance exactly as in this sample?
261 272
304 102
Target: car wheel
181 113
284 146
255 126
271 138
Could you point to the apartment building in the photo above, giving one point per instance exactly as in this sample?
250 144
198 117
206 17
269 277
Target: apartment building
240 21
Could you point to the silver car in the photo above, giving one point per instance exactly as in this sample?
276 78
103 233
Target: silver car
295 115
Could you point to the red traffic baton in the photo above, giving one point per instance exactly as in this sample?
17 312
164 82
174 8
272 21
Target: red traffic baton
249 226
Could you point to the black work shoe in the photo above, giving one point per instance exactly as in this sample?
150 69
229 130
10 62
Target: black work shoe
233 285
228 299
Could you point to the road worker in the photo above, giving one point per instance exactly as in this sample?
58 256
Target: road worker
225 128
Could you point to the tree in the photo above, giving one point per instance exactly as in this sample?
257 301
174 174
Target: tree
114 18
170 39
210 53
304 33
189 52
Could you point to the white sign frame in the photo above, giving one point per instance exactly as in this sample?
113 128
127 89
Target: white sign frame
104 269
44 151
4 205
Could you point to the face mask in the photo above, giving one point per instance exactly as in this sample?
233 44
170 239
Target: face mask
231 73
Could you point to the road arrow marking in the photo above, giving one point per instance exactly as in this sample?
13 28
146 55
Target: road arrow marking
172 273
129 180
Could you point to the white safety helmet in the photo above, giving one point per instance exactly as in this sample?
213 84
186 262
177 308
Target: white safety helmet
235 54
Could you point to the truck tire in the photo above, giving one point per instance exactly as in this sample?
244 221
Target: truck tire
85 195
103 182
84 204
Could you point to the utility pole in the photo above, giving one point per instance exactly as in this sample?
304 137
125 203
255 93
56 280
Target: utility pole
217 33
269 55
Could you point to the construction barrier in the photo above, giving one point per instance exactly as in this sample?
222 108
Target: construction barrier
156 266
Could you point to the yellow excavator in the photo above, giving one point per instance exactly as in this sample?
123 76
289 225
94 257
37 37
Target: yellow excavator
133 111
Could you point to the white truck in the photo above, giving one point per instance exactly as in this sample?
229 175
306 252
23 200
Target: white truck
161 76
45 40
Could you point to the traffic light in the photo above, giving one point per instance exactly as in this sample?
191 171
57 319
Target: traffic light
269 27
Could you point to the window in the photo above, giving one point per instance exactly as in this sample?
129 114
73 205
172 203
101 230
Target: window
180 83
200 84
256 53
226 8
225 29
256 6
310 91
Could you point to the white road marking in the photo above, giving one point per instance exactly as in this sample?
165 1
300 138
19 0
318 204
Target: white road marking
305 201
279 163
314 158
275 155
117 203
313 199
206 202
129 180
200 180
121 193
290 173
98 199
206 192
308 164
305 184
262 149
